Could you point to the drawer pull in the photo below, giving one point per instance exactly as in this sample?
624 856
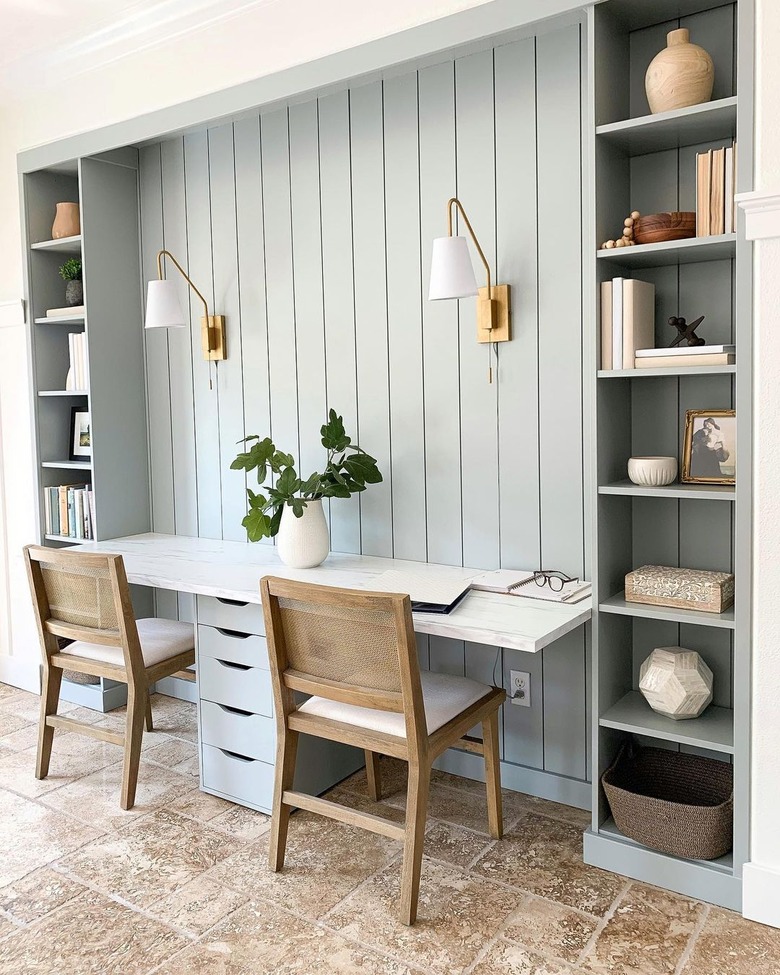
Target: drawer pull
234 755
231 602
226 707
233 634
232 666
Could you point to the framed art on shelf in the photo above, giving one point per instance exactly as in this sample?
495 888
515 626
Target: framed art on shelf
80 434
709 447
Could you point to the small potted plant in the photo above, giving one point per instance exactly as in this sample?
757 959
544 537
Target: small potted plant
291 508
70 272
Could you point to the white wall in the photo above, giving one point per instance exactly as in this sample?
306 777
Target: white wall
762 876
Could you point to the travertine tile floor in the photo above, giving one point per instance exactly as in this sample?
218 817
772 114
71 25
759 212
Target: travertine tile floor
179 885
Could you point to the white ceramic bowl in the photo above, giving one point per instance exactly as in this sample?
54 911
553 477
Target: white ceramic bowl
652 471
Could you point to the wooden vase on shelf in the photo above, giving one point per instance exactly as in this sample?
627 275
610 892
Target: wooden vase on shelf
680 75
303 542
67 221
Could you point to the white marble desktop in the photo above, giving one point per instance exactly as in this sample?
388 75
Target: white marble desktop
232 570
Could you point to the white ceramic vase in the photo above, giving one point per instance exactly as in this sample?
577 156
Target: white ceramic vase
652 471
303 542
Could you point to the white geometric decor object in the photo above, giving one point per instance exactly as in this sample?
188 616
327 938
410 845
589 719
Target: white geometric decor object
676 682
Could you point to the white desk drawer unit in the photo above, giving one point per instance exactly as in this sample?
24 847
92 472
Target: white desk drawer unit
252 735
233 645
245 780
231 614
236 685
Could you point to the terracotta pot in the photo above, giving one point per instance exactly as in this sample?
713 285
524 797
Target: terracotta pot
67 221
680 75
303 542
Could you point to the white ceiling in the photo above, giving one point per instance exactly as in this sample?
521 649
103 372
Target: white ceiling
77 35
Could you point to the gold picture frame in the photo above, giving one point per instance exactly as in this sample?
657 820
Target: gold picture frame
709 447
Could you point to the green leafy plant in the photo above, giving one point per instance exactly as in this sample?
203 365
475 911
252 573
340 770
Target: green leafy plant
349 469
71 270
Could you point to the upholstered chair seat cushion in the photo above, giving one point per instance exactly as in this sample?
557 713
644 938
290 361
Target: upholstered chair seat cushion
444 696
160 640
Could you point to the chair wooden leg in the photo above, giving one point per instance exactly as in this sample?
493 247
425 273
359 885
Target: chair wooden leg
136 711
493 776
50 697
286 752
416 814
374 775
149 722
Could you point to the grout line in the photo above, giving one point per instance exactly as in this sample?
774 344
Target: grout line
17 922
688 950
603 923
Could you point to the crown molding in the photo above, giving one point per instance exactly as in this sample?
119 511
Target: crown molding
762 214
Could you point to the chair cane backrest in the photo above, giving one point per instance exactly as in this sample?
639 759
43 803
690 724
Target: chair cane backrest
345 645
82 596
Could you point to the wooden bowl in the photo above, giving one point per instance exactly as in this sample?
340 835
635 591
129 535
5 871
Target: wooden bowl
657 227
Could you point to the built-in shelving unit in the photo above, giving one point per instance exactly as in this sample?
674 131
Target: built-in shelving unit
108 246
647 162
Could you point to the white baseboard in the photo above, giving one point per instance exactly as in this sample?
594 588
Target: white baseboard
20 672
761 894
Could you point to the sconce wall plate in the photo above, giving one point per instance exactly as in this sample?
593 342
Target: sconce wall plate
493 317
214 344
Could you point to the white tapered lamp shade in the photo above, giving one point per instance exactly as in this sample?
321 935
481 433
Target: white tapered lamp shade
163 309
452 273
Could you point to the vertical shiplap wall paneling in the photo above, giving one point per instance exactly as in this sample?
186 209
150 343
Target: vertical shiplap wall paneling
475 154
560 388
157 372
371 334
182 410
440 319
310 228
441 344
251 279
224 240
199 266
518 389
404 298
339 295
283 379
307 279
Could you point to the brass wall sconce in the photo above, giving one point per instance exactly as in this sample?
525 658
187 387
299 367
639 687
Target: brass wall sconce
163 310
452 276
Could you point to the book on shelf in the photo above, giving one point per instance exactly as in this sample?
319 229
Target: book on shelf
627 321
715 187
72 311
686 350
676 361
77 354
69 511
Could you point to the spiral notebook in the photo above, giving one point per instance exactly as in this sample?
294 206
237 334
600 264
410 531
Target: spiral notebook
520 582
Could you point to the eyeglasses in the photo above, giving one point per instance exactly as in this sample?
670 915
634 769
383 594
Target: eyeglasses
553 578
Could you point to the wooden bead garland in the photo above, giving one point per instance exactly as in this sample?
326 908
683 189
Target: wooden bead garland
627 240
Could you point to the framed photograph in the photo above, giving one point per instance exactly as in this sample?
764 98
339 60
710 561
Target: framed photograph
710 447
80 434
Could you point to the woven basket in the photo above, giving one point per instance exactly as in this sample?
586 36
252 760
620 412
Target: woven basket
671 801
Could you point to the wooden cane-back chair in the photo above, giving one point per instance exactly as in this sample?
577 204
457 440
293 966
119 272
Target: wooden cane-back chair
84 597
355 652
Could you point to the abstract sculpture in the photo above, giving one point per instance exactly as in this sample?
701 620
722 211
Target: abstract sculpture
676 682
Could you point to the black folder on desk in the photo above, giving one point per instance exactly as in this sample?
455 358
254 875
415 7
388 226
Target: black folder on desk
442 608
434 589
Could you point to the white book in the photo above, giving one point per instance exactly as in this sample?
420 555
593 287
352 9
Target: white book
78 511
72 311
687 350
47 509
80 349
617 323
433 586
572 592
728 192
92 521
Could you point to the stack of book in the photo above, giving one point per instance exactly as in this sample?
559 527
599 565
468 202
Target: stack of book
627 321
70 311
686 356
716 181
70 511
77 352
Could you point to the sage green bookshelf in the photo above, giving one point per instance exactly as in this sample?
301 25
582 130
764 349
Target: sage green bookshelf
647 162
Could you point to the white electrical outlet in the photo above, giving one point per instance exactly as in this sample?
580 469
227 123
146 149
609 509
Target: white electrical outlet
520 688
